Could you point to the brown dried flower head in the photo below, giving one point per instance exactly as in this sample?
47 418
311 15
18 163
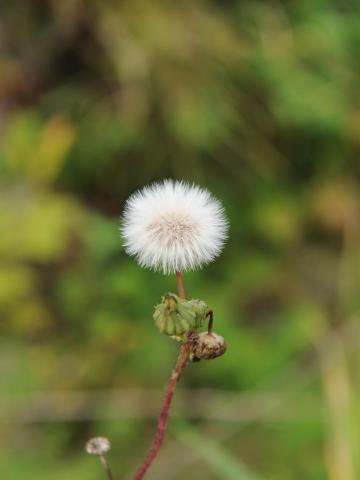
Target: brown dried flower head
208 345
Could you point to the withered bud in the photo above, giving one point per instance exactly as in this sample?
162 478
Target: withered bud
98 446
207 346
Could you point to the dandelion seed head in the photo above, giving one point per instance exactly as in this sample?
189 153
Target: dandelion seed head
98 446
173 226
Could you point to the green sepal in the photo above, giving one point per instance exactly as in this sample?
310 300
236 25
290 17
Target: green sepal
200 308
175 316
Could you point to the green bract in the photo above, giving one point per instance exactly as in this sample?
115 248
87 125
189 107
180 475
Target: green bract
175 316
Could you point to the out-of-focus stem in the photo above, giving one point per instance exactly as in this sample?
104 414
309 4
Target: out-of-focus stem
169 392
106 466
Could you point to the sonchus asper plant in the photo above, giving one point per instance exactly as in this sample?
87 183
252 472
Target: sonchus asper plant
173 227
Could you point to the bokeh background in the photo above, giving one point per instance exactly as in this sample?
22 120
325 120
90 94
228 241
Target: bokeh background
260 103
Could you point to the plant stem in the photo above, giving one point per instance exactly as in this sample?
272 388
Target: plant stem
211 321
180 285
169 392
106 466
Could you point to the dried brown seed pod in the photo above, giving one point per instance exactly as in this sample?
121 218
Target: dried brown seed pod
98 446
207 346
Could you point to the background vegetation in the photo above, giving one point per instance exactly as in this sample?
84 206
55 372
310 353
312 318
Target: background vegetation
260 103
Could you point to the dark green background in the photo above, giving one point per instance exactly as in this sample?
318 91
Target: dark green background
260 103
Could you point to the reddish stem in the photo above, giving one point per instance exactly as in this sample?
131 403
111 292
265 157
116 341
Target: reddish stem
164 414
169 392
180 285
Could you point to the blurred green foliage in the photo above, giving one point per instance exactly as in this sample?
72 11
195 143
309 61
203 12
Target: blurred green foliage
260 103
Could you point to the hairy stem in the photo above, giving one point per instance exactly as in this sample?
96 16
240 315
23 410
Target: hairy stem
169 392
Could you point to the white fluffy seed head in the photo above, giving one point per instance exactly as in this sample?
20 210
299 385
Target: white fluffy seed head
173 226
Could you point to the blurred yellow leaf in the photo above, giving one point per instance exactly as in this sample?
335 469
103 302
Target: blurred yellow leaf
37 152
56 138
37 226
16 282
